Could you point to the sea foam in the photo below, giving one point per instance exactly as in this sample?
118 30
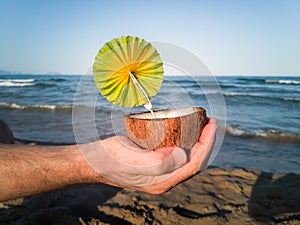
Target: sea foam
38 107
16 82
271 134
283 81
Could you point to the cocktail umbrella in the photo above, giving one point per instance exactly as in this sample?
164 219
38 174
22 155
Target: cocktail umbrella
128 71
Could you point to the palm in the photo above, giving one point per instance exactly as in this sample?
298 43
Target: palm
155 171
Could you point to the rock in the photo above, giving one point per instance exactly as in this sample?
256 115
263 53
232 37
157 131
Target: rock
6 136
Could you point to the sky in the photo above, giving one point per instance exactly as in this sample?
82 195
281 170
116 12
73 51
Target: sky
232 37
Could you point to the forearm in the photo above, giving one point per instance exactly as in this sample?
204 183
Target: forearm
27 170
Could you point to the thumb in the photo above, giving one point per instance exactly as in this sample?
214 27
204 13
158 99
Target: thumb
177 159
173 161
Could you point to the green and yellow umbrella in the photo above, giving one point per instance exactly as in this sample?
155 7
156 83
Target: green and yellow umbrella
128 71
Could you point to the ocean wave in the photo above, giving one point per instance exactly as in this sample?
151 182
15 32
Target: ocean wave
283 81
191 81
56 108
234 94
57 79
270 134
24 83
16 83
18 80
292 99
37 108
24 80
45 85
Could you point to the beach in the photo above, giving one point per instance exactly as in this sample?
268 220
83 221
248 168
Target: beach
254 178
216 196
73 72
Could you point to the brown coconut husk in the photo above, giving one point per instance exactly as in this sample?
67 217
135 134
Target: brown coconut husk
178 127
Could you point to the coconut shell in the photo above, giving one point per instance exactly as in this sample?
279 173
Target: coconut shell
181 130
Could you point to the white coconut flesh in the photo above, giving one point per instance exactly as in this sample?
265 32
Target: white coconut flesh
164 114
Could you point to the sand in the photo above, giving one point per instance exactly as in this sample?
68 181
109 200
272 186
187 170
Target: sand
217 196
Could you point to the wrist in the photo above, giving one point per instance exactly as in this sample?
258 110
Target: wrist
84 173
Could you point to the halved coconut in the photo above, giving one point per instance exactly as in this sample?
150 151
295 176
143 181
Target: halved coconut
177 127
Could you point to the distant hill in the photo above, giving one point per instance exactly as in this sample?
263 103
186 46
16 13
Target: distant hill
4 72
53 73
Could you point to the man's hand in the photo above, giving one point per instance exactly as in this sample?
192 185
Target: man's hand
124 164
27 170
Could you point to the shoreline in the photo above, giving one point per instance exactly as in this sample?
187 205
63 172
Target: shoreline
216 196
43 143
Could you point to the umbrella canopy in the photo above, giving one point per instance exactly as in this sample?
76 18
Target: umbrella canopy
128 71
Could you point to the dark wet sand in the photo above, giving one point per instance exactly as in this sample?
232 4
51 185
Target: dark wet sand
218 196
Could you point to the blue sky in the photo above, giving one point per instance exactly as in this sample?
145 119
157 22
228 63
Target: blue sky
232 37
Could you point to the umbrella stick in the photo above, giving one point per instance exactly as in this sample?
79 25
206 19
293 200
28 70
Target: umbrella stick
148 105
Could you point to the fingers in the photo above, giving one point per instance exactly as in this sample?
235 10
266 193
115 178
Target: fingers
203 148
205 145
166 160
130 158
163 161
155 170
198 159
208 134
173 161
199 155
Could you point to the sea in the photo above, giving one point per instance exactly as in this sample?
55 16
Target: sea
258 116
